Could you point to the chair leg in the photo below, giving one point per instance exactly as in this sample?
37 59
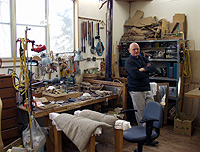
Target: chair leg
140 147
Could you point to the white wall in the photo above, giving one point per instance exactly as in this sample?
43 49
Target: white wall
90 9
167 8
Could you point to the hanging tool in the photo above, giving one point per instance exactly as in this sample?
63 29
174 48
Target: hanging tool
89 34
82 36
92 50
85 35
86 25
99 47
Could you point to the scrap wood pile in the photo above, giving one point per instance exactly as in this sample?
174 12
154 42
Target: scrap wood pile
150 28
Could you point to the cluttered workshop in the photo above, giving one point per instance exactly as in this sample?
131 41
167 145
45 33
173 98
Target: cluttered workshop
99 75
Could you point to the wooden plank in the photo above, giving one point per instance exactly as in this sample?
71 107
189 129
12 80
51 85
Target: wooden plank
141 22
115 66
61 96
138 15
195 62
105 82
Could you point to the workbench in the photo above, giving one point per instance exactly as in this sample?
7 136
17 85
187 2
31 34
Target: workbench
76 105
64 108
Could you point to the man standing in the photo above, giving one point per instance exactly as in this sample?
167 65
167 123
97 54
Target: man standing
138 68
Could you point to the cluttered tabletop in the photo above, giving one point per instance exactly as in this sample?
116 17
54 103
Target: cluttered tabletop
56 99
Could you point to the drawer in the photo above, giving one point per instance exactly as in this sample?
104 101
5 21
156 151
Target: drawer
10 140
6 81
7 92
10 133
9 103
9 113
9 123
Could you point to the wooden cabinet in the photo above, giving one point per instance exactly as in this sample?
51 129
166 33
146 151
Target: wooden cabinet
9 119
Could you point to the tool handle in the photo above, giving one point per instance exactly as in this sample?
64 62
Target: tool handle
97 28
86 30
82 30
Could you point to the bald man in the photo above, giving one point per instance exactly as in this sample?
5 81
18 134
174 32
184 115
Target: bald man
138 68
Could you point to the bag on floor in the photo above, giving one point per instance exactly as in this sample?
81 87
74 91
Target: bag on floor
38 136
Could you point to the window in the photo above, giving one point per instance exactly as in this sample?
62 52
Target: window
61 26
50 23
5 29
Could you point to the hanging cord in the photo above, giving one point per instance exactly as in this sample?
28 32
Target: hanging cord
23 86
187 73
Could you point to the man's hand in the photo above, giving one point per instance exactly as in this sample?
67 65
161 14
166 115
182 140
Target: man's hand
142 69
148 64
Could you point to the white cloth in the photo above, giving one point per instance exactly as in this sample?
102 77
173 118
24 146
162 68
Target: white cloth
119 124
153 86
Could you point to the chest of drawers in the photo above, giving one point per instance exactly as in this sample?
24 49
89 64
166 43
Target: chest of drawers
9 119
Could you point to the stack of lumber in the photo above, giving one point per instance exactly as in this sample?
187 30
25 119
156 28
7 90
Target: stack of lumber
150 28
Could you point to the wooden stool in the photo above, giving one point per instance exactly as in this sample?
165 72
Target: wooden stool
91 143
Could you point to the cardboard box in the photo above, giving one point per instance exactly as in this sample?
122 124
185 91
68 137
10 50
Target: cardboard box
183 123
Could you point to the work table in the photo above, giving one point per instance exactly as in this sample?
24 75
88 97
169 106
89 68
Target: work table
69 106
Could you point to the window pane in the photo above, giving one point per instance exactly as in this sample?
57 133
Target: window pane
30 12
35 33
61 26
4 11
5 48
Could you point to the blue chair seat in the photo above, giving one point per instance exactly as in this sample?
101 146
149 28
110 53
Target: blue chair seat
137 134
